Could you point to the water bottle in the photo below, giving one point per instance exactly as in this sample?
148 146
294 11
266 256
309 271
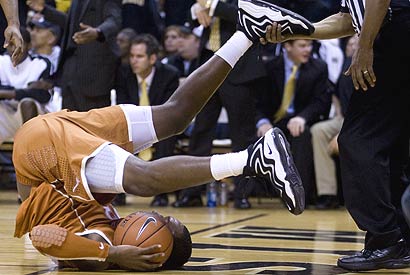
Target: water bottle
211 195
223 194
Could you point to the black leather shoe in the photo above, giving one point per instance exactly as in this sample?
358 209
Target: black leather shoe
396 256
242 204
119 200
160 201
187 201
327 202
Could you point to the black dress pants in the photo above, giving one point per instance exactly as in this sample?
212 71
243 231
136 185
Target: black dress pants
240 107
374 140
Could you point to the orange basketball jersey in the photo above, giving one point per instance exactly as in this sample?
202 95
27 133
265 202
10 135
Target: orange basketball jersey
54 147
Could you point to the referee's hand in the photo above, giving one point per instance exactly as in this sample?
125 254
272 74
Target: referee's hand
361 68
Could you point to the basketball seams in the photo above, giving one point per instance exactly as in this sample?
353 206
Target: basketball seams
153 233
124 234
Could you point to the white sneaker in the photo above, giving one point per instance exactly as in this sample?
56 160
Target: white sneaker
271 159
256 15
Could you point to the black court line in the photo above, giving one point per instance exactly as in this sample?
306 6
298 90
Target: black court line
229 223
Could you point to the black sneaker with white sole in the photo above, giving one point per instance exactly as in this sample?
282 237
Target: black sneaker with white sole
271 159
256 15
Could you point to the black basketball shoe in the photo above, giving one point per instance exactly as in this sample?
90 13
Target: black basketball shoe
271 159
256 15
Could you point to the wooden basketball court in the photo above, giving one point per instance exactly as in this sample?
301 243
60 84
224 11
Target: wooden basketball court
264 240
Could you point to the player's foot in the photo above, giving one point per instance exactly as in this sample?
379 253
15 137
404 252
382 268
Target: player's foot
47 235
256 15
271 159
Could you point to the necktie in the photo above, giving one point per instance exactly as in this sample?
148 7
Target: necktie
144 101
288 95
215 35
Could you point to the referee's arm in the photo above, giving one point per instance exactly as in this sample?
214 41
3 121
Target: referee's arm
334 26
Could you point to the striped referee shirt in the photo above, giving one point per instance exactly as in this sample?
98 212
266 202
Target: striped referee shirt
356 9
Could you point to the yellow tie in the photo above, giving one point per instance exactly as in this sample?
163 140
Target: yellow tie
144 101
288 94
215 35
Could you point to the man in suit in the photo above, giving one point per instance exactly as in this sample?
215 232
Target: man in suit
294 98
89 58
146 76
219 19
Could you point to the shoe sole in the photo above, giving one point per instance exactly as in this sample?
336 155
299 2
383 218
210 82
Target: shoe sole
388 264
47 235
257 10
293 192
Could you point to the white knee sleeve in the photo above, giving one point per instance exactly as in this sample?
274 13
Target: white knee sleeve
140 126
104 171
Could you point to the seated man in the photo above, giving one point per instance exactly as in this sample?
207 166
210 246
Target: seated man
75 232
22 95
90 153
295 97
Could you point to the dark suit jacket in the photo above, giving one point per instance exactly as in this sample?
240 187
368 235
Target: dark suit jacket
250 66
164 84
312 101
89 69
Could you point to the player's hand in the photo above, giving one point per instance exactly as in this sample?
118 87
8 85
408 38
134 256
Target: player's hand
36 5
263 129
361 68
40 84
203 17
136 258
14 43
86 35
274 34
296 126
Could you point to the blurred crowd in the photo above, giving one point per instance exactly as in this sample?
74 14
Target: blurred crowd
85 54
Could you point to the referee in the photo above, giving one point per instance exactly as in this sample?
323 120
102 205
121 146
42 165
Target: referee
374 140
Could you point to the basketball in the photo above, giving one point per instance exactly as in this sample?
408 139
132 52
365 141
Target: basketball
144 229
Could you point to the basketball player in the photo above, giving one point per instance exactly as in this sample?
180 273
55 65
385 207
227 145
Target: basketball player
80 234
12 35
90 155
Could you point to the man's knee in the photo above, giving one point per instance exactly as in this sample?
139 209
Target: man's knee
28 110
318 129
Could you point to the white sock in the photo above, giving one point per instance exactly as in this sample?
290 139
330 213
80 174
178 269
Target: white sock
234 48
228 165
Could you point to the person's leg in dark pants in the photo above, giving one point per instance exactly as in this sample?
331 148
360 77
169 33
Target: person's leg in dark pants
373 128
302 151
240 107
200 144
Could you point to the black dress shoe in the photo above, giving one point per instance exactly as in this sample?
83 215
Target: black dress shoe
187 201
327 202
396 256
160 201
119 200
242 204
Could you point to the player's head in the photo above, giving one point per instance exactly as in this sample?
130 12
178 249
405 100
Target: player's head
182 247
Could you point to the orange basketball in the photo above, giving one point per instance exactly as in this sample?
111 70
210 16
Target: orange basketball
144 229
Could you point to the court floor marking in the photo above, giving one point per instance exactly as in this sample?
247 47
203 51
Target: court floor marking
228 223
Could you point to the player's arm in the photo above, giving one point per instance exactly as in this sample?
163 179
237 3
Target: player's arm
334 26
12 33
91 252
